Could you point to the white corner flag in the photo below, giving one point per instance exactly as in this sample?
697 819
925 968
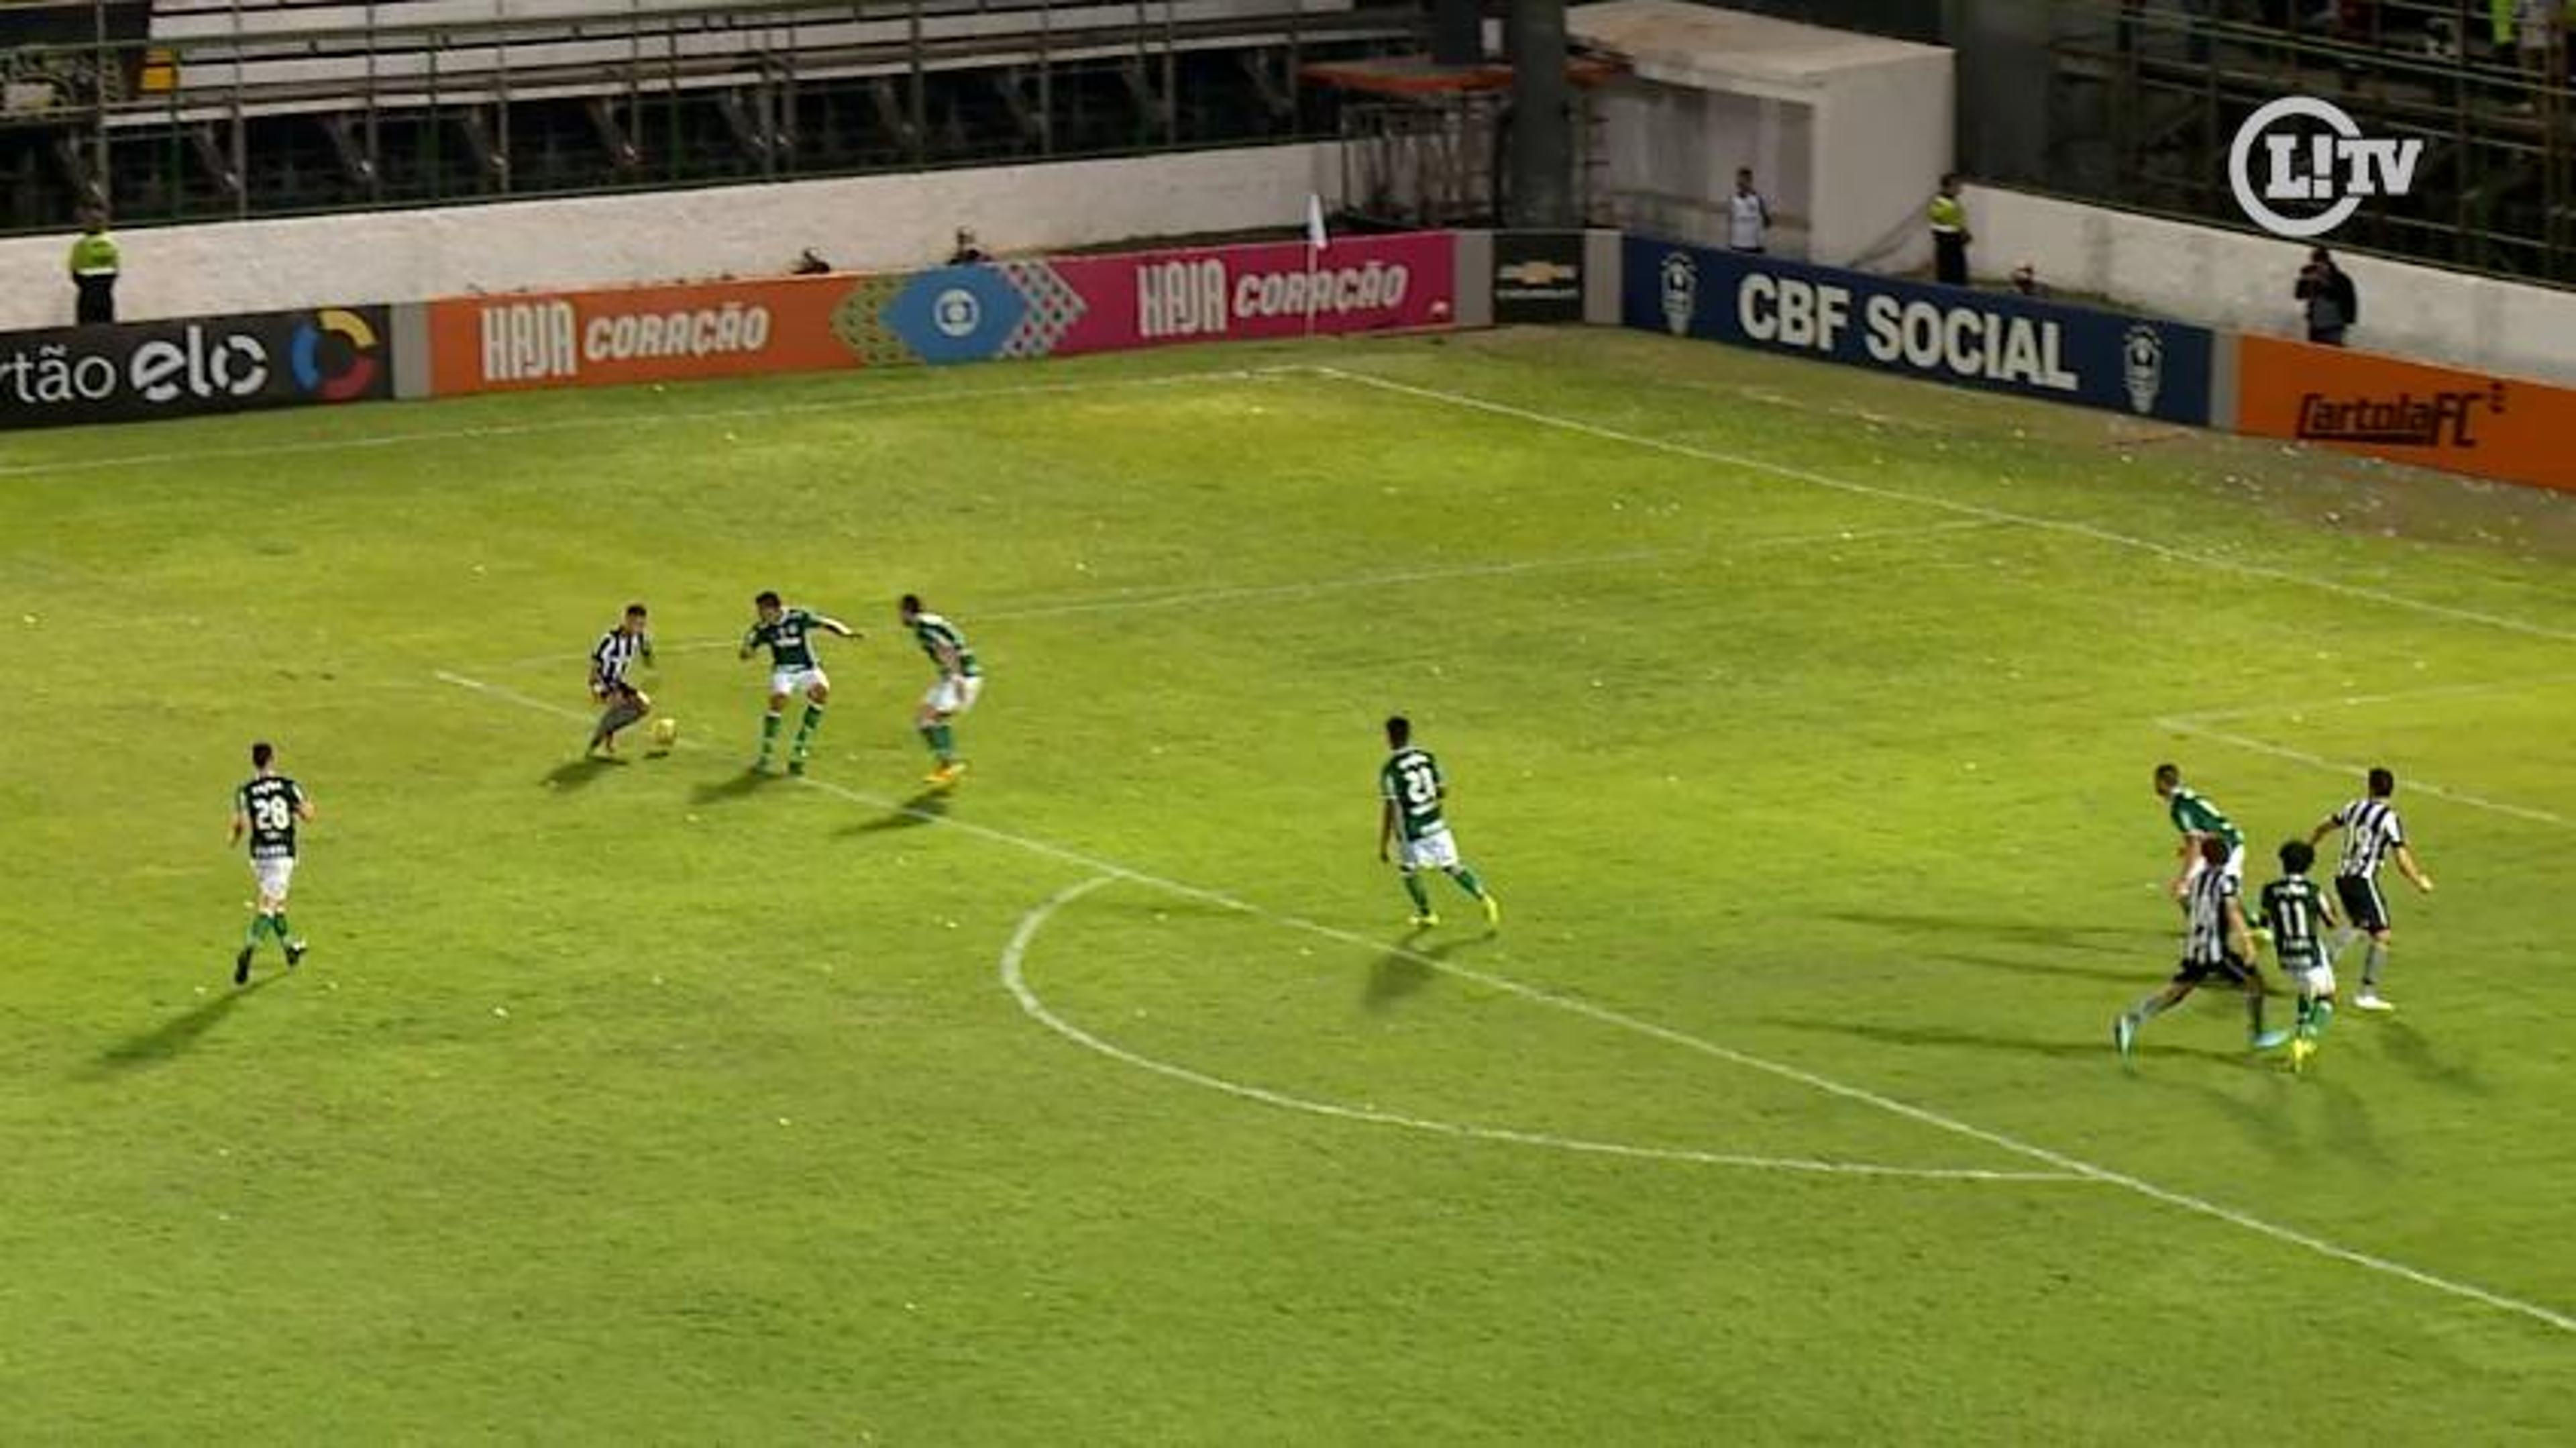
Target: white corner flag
1315 222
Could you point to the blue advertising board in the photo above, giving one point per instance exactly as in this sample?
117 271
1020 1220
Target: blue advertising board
1998 341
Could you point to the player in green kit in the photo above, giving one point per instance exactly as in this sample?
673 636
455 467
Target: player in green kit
1409 819
793 668
2197 817
961 683
2299 916
268 808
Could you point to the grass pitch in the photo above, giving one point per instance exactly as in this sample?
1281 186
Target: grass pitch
1801 718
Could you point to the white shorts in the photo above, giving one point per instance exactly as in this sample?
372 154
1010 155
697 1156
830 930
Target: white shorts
954 694
1434 851
2317 982
273 876
2235 866
795 681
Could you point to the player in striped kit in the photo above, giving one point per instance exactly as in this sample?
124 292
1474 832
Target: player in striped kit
2372 834
612 662
2216 945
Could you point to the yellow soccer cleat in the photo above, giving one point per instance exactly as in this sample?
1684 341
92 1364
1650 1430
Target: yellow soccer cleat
2300 1050
1493 912
1423 922
945 774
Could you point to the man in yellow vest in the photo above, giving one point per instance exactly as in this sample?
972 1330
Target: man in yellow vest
94 260
1949 234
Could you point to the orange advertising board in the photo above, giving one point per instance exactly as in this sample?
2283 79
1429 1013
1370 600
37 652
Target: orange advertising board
637 334
2436 417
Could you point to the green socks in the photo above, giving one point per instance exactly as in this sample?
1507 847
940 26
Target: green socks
1421 897
277 923
805 728
1467 881
2315 1016
258 927
769 733
941 741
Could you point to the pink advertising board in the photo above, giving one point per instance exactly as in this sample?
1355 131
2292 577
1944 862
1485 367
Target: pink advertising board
1271 289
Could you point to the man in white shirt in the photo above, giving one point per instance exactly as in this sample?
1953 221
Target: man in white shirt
1748 216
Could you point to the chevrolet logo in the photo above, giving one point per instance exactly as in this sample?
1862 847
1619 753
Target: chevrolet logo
1538 273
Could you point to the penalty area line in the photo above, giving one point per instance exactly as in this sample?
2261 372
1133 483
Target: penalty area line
1922 1115
1013 969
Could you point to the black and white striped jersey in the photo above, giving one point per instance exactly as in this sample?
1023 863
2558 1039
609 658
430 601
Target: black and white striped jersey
616 653
2370 831
2205 943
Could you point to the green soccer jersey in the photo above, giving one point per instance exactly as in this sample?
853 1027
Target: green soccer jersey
2294 911
934 632
1411 778
2194 815
789 641
268 803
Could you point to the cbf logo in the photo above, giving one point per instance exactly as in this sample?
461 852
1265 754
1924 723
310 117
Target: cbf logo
1681 292
2327 162
2142 367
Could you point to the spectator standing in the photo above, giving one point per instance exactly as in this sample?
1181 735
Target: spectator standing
1748 215
2332 303
94 264
1950 234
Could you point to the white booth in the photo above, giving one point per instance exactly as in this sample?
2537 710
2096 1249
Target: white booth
1847 134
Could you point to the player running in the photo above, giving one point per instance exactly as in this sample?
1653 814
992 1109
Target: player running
2216 943
612 663
268 807
2298 915
961 682
793 668
2372 833
2198 818
1413 790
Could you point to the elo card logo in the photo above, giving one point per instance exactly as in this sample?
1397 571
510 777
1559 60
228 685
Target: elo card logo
2326 164
333 355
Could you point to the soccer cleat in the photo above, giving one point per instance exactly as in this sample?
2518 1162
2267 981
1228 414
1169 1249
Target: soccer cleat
1493 912
2266 1040
947 773
2370 1000
294 953
2300 1050
241 967
2124 1035
796 765
1423 922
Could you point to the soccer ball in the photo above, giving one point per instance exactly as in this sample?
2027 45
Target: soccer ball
666 732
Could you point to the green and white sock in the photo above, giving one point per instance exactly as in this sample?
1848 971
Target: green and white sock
2320 1016
1468 882
805 728
1421 897
943 742
769 723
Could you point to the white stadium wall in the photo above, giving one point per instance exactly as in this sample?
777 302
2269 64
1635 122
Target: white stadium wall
2242 282
864 223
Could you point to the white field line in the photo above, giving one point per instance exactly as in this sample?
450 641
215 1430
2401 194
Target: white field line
2184 1201
1317 587
2366 701
1930 500
1014 973
2355 771
594 422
